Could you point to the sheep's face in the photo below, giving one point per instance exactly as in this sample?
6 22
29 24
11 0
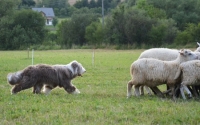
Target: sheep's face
187 55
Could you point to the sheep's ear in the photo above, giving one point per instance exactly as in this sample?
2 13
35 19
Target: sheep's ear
198 44
181 52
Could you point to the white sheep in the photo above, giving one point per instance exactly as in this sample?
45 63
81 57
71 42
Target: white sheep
164 54
153 72
190 75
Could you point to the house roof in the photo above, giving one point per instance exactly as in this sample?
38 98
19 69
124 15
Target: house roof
48 11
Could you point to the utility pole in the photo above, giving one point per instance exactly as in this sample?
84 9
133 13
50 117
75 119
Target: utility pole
102 13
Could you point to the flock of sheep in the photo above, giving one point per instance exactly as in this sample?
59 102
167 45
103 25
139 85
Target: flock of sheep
178 69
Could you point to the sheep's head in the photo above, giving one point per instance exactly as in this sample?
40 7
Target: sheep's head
187 55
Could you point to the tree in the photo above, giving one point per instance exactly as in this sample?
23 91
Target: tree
55 21
78 4
73 31
28 2
6 13
5 29
85 3
99 3
6 7
137 25
189 35
140 24
92 4
70 10
183 12
131 3
115 26
114 3
52 3
27 28
94 33
152 11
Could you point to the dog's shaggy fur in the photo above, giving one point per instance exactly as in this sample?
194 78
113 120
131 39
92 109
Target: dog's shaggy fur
46 77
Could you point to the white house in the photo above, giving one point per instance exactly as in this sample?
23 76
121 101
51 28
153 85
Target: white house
48 13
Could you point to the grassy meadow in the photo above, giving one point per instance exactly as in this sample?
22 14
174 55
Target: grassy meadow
103 93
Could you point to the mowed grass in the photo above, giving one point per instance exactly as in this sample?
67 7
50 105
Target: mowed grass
103 93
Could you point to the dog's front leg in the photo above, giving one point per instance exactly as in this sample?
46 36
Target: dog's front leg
69 87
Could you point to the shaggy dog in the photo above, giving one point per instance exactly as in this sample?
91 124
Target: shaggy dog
46 77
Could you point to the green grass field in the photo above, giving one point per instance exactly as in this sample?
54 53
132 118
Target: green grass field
103 94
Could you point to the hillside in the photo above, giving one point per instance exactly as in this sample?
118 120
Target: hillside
71 2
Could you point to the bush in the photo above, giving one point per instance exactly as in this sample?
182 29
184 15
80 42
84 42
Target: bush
73 31
189 35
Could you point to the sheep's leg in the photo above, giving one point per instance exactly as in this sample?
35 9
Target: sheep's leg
167 91
129 88
142 90
137 91
197 88
148 90
177 90
187 91
174 92
153 91
157 91
189 88
182 92
194 89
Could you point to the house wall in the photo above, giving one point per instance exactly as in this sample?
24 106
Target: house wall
49 21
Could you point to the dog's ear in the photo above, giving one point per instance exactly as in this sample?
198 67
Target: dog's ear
75 67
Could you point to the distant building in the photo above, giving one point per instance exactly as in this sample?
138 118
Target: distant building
48 13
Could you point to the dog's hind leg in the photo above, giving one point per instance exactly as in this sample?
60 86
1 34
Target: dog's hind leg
47 89
37 88
25 83
19 87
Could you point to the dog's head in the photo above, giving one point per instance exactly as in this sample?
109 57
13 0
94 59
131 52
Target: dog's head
76 68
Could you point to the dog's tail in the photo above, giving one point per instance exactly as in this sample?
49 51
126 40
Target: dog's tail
14 78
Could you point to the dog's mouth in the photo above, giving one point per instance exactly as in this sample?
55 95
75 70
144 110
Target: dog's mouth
80 75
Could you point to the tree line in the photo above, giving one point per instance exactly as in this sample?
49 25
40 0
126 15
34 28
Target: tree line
127 24
63 9
139 24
